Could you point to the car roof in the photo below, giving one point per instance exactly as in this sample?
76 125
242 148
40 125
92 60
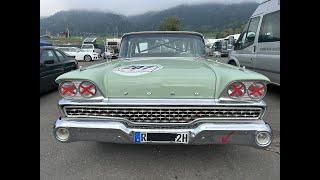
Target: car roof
164 32
266 7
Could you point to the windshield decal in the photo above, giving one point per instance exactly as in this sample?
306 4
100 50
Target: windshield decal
137 69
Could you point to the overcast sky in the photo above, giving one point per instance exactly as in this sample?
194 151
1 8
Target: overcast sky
125 7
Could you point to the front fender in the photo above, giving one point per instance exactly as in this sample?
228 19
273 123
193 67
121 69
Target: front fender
235 59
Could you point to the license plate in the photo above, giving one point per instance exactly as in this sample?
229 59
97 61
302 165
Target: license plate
144 137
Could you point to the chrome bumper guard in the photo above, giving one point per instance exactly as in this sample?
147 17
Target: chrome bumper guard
205 133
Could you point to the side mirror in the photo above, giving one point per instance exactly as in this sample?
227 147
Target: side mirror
251 37
231 40
50 61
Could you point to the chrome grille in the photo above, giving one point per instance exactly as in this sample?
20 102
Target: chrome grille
163 114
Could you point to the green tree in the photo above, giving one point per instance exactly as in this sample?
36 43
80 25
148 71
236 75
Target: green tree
172 23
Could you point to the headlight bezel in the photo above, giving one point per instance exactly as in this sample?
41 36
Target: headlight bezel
247 83
78 96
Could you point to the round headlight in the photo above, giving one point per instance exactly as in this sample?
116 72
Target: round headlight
67 89
236 90
87 89
263 139
257 90
62 134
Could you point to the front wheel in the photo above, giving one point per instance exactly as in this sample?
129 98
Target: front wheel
87 58
232 63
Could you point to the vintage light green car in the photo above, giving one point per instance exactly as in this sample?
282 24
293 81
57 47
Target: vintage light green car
163 90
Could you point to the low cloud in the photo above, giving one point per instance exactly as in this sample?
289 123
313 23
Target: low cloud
125 7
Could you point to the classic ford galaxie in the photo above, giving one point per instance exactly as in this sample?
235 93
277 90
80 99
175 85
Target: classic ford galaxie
163 90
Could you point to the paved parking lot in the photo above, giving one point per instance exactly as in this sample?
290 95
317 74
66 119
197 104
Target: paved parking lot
91 160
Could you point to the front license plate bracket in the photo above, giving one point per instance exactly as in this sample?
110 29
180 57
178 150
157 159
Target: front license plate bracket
144 137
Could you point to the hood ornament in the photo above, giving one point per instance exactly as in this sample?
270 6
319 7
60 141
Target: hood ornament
149 93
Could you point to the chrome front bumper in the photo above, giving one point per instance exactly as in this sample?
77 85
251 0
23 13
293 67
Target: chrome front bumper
205 133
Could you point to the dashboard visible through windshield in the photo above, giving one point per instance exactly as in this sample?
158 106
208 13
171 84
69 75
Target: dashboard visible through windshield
162 45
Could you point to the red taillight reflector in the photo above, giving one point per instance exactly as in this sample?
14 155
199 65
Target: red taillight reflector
236 89
67 89
257 90
87 89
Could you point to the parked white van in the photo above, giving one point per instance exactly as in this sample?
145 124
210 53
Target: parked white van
258 46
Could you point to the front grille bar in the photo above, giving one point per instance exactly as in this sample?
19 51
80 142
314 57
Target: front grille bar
164 114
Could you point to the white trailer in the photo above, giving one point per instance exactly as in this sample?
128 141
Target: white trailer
112 47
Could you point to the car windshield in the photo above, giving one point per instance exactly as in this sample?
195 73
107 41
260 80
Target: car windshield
162 45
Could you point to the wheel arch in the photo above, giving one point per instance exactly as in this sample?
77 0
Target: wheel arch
232 58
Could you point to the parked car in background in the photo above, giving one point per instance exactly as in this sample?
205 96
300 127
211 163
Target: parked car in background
258 47
217 49
80 54
91 48
53 63
163 90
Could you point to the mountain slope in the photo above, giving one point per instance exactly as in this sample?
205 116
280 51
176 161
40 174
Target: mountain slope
85 22
202 17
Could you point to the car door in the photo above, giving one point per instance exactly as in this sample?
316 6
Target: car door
68 63
268 47
245 47
71 52
50 69
80 54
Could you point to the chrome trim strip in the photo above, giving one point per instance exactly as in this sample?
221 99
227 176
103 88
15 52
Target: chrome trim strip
132 101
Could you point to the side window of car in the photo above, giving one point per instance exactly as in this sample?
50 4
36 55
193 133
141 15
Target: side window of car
247 37
48 55
270 28
61 57
242 37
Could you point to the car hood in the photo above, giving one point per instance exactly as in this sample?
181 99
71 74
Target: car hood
161 78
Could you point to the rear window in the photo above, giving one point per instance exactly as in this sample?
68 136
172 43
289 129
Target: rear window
112 43
87 46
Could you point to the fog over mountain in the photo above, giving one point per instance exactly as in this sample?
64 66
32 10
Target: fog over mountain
202 17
